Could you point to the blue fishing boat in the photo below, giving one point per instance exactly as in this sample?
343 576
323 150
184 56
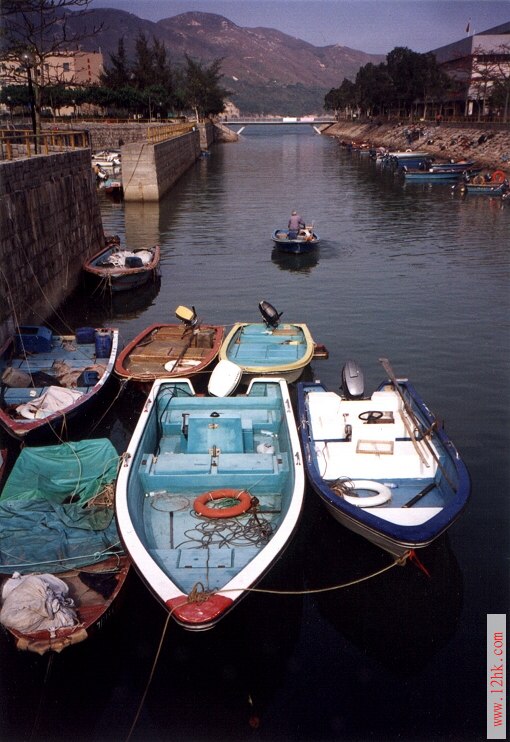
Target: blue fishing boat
381 464
49 379
209 494
62 566
304 241
270 347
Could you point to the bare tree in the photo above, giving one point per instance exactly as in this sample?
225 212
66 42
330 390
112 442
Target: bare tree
33 32
490 73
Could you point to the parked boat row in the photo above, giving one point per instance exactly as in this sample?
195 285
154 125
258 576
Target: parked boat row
211 487
422 166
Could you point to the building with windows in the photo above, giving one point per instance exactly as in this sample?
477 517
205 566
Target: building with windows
475 64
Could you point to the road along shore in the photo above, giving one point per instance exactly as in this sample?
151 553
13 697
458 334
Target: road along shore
488 146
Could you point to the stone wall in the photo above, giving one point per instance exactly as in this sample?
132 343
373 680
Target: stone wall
489 146
50 222
150 170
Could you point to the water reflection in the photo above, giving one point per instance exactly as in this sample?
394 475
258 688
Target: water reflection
295 263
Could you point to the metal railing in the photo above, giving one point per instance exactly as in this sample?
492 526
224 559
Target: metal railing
161 132
15 144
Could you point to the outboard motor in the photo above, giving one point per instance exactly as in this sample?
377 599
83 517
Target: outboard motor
353 383
270 315
187 316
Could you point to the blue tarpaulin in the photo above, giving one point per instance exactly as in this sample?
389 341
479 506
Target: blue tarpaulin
45 521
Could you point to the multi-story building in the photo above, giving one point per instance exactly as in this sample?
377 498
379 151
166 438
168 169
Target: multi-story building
474 64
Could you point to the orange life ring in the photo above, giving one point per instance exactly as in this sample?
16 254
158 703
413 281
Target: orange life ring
479 180
498 176
244 497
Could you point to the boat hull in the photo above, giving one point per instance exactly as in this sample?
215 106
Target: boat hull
20 414
186 453
417 488
258 350
109 271
50 538
298 246
150 354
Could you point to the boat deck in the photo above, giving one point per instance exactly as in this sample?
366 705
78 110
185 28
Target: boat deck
258 346
377 451
76 357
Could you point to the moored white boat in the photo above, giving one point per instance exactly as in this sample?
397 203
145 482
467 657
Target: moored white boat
381 464
209 494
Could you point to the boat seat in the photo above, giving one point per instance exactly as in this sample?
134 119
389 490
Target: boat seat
223 432
339 459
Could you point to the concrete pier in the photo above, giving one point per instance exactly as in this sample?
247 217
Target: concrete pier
150 170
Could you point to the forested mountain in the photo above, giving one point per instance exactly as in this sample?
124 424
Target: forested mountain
266 71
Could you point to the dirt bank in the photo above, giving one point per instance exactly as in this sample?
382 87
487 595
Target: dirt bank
489 147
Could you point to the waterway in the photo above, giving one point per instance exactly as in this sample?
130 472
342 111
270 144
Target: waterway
415 273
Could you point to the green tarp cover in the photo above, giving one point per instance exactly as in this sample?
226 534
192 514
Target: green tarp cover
44 522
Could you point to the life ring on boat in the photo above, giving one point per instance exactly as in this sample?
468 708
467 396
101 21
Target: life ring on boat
383 493
479 180
498 176
200 504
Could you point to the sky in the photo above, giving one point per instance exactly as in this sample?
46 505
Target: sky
372 26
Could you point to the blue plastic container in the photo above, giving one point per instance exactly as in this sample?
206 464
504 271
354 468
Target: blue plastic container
103 341
33 339
85 335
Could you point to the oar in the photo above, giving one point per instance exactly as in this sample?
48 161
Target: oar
387 367
420 494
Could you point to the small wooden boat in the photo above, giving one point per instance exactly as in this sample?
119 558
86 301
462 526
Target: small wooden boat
48 379
381 465
170 350
61 563
269 348
304 241
116 269
209 494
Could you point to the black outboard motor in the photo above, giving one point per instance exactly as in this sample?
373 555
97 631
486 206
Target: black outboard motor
353 383
270 315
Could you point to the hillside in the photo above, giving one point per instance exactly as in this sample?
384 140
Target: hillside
265 70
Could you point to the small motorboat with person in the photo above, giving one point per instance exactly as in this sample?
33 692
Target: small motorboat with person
209 494
381 464
171 350
305 240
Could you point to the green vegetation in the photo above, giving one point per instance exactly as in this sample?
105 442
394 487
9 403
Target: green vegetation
392 88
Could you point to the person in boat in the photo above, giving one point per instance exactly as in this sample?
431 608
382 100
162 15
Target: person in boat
295 224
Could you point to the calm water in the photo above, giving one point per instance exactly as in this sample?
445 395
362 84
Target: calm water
414 273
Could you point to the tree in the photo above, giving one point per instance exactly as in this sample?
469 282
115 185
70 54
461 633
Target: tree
32 32
117 74
490 81
201 90
343 97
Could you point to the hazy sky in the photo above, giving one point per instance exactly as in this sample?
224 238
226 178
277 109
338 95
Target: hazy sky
374 26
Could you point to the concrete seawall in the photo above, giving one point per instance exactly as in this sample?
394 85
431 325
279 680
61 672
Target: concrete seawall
150 170
50 222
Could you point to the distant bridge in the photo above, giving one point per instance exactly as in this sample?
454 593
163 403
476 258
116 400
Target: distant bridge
314 121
